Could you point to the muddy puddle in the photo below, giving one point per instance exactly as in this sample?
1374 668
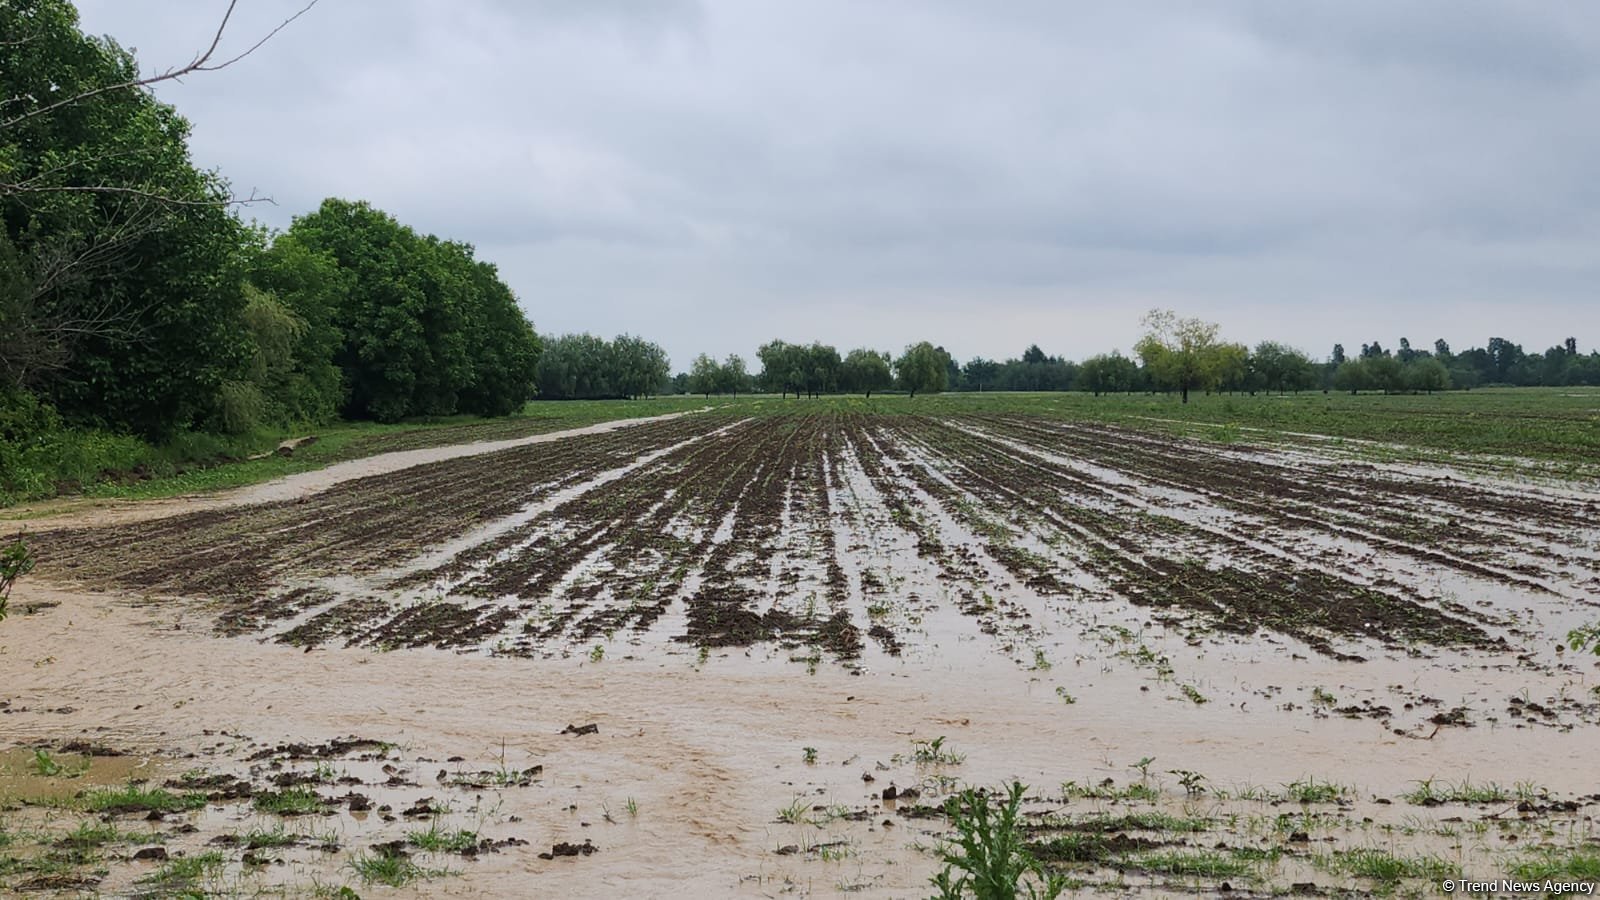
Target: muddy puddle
796 638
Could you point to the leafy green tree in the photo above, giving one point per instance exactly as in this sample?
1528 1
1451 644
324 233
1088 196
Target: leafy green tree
90 184
979 374
1282 367
865 371
1181 353
1352 376
640 367
1107 372
732 376
574 367
504 349
923 367
705 376
1385 373
1427 374
427 329
783 367
311 289
821 367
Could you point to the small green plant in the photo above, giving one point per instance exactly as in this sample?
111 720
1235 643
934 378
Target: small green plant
44 764
181 875
1041 662
1311 790
597 653
296 801
1192 694
1381 865
1431 793
933 753
439 840
809 754
795 812
1580 639
632 806
1194 784
390 867
1065 696
1320 697
1143 765
136 798
93 834
262 839
15 562
1575 865
988 858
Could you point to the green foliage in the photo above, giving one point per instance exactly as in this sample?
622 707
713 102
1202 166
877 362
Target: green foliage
988 858
122 302
295 801
426 328
1184 354
1586 637
922 368
864 371
15 562
137 798
1107 373
583 366
796 368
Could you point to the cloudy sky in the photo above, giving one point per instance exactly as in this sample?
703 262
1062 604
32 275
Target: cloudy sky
983 175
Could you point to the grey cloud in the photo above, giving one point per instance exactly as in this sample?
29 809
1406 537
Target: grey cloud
715 174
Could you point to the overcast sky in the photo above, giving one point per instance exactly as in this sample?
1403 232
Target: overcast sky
983 175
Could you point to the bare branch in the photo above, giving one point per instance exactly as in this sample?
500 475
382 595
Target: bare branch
201 63
24 188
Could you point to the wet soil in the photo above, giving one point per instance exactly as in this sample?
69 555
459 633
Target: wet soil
759 614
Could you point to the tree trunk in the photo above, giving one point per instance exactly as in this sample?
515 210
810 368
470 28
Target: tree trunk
1185 388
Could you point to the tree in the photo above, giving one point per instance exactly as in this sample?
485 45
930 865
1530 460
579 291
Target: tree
639 367
922 367
1427 374
1108 372
427 329
1385 373
865 371
1282 367
732 376
979 373
1352 376
820 365
1033 355
1180 353
123 303
704 376
782 367
311 287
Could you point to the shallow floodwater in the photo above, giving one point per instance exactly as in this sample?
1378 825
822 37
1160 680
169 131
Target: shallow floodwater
701 747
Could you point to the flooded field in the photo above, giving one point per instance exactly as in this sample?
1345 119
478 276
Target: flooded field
752 653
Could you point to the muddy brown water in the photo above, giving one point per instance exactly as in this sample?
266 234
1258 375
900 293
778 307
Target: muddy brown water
1072 678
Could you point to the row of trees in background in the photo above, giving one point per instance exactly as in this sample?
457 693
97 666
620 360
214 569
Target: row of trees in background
1174 354
585 367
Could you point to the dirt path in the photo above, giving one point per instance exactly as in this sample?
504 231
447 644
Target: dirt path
91 512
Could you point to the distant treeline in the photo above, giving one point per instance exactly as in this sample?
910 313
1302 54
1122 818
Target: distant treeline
1230 368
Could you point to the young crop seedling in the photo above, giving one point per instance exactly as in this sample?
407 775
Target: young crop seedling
933 753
